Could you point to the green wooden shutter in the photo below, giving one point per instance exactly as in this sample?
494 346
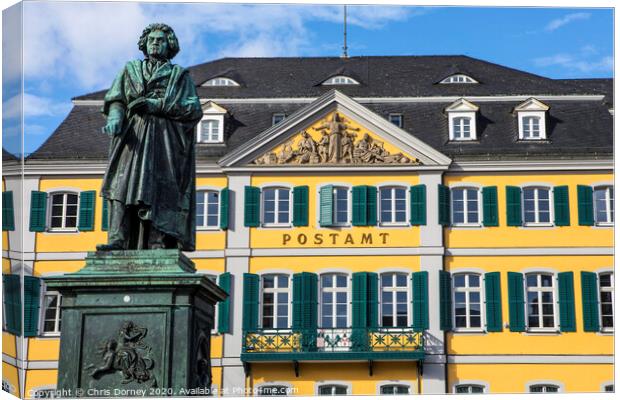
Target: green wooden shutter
310 283
490 215
297 302
560 206
420 300
224 208
445 301
252 206
300 206
372 288
38 206
493 298
8 212
371 205
516 304
223 307
513 206
32 301
104 215
12 304
567 301
417 200
326 215
251 287
87 211
589 300
585 205
360 199
360 311
443 194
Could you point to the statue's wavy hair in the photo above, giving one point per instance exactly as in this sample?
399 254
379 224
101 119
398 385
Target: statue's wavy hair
173 43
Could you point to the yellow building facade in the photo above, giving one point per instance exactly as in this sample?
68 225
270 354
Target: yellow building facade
365 250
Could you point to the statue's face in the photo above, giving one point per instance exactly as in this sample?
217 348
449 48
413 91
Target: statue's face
157 44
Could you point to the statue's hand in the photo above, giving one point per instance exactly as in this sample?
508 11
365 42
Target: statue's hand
113 127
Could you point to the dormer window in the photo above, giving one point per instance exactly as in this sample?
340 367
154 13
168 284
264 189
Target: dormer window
341 80
459 78
396 119
277 118
531 119
462 120
211 127
220 81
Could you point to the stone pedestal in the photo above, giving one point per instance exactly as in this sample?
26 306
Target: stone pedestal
135 323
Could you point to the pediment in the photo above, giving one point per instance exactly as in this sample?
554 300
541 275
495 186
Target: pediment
532 105
462 105
334 130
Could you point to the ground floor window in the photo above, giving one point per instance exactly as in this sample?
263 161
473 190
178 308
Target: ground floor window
332 390
544 388
609 388
469 389
394 389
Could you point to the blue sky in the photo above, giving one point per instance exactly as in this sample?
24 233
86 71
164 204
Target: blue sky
72 48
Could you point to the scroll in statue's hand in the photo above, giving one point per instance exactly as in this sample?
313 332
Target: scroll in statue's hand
143 105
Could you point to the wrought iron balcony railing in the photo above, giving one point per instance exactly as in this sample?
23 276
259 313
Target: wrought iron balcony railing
333 343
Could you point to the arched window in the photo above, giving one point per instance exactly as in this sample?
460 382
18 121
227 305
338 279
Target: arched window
334 301
468 389
536 205
207 209
220 81
64 211
340 80
467 301
276 206
275 301
393 205
604 205
459 78
394 389
544 388
540 291
394 299
332 390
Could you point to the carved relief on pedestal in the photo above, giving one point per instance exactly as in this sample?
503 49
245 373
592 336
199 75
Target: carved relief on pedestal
337 145
128 354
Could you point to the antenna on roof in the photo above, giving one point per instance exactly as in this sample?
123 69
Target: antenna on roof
345 53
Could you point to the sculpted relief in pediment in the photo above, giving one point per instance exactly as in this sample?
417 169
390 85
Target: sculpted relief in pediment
335 140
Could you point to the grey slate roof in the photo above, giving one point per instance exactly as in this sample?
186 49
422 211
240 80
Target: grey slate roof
598 86
575 128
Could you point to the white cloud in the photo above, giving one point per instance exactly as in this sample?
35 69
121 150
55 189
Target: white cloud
33 106
577 62
559 22
11 60
87 43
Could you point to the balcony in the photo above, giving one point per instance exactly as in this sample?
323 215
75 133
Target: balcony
332 344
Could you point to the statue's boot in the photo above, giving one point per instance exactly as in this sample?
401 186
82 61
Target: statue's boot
156 239
118 229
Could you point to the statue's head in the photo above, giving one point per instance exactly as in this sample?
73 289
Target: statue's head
159 41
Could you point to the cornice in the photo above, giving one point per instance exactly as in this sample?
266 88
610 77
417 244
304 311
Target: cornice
532 165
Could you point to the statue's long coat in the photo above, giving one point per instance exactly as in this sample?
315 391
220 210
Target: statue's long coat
152 162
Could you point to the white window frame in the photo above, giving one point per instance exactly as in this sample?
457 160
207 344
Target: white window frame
333 386
43 310
554 300
334 205
63 228
220 81
469 388
213 276
275 291
485 385
333 291
398 117
276 116
532 108
206 227
395 289
466 222
613 303
545 384
462 109
216 120
276 223
609 208
384 384
537 206
393 206
340 80
467 289
458 78
458 121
